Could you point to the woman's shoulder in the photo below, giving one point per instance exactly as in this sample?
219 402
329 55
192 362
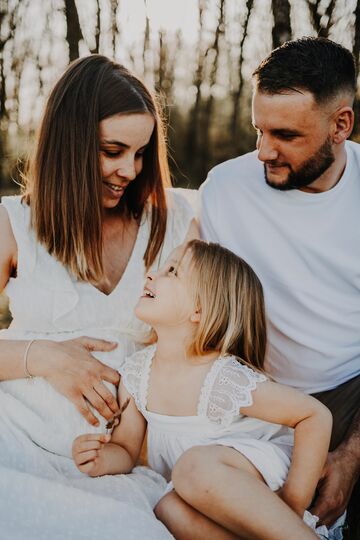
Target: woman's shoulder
16 212
179 199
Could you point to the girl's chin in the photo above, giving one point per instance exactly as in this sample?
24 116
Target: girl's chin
141 313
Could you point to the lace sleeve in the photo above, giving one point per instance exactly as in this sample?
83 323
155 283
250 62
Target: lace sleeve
227 388
135 374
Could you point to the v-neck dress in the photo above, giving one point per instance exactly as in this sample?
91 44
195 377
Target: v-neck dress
37 424
220 419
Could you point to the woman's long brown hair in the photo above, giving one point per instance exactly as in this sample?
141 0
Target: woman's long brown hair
64 183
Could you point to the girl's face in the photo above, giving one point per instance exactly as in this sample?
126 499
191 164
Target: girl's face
123 140
167 300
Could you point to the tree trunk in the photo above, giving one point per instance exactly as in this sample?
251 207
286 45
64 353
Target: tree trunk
205 149
114 6
73 29
314 14
236 97
281 31
96 49
324 30
192 144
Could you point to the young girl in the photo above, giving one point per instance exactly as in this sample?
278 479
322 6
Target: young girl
202 384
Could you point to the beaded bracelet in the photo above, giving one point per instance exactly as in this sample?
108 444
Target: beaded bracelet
27 372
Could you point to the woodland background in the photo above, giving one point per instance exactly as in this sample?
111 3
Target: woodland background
198 55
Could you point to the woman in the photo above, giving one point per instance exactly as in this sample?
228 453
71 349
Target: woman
95 216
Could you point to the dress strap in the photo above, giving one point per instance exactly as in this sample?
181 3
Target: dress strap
135 373
19 216
227 388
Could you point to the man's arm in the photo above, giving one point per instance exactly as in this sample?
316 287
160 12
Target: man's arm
340 475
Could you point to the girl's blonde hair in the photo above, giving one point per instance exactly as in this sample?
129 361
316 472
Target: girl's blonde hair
230 297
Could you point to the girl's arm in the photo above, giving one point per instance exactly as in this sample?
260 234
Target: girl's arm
99 454
81 381
312 423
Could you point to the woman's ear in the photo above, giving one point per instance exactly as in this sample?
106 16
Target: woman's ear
195 317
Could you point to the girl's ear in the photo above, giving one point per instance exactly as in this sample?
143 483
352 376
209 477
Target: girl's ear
195 317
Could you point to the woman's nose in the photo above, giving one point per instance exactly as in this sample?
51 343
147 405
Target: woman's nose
127 171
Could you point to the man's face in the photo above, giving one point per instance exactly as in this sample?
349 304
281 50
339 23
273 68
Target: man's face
293 139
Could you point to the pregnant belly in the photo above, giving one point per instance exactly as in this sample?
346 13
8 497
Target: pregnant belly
34 409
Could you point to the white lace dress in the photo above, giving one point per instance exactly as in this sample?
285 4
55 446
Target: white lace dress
42 494
227 389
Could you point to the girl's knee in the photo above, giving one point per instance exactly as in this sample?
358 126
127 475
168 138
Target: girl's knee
163 508
190 474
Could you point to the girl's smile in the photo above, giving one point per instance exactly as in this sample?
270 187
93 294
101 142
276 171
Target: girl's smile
168 289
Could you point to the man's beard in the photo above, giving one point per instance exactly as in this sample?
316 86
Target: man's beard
310 170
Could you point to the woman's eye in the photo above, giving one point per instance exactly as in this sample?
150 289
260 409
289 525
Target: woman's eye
111 154
172 270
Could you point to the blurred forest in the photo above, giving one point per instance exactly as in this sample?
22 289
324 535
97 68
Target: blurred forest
203 79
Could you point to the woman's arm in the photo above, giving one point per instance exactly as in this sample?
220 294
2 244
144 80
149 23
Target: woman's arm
97 455
67 365
312 423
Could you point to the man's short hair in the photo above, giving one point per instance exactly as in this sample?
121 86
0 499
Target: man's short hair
317 65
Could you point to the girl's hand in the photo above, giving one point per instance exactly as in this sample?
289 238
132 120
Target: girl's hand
71 369
87 453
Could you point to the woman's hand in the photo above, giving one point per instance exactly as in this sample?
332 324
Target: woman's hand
71 369
86 452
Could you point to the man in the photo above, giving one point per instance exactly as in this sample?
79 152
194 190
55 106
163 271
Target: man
292 211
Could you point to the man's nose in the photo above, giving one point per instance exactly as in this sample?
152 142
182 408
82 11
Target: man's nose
266 149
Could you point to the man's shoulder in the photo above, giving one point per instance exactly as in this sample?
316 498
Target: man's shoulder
234 173
354 147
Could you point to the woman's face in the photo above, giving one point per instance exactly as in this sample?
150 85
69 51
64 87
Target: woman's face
123 140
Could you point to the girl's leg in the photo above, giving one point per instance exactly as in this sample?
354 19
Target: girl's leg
222 484
186 523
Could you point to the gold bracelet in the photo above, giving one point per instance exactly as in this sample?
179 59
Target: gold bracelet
26 371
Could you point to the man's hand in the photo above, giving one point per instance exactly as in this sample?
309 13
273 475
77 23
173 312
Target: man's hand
340 474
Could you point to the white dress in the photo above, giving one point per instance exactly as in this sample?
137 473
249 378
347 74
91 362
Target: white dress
227 388
42 494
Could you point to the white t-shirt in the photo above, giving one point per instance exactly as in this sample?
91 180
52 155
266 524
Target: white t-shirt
305 248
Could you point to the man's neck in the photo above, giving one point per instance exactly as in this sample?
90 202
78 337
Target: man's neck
331 176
